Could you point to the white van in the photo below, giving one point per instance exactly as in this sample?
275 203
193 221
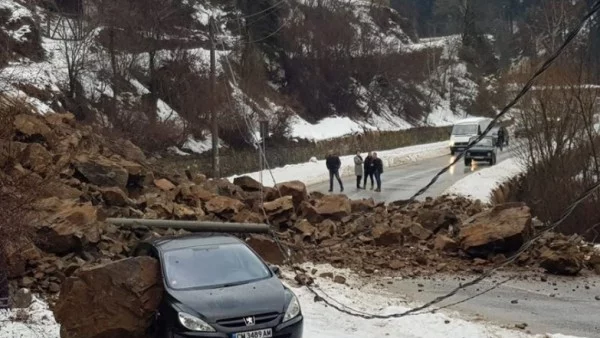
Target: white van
465 129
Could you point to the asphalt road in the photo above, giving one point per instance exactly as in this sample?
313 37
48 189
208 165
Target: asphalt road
402 182
557 305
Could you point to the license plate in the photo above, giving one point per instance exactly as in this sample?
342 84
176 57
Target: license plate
266 333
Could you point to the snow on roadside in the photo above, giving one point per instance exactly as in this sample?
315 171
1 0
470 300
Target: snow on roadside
480 184
316 172
35 322
322 321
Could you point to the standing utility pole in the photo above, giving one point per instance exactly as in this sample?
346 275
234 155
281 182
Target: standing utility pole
213 111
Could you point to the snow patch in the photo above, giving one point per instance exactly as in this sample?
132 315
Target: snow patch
36 322
315 172
318 317
480 184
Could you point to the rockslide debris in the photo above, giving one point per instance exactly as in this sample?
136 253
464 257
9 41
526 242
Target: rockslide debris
85 178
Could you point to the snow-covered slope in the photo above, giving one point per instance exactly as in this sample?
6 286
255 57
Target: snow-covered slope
43 81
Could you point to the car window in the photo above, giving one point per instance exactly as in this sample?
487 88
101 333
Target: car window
465 129
486 142
213 266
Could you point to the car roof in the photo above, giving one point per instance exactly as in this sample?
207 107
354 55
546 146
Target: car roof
471 120
193 240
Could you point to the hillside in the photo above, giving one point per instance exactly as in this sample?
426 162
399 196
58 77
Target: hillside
147 78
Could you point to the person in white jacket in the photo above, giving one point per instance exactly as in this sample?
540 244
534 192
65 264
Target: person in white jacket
358 168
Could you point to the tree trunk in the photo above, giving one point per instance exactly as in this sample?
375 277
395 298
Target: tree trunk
153 113
115 71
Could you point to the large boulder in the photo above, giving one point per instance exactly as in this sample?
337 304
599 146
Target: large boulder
567 261
362 206
129 150
224 188
115 197
416 231
280 210
435 220
445 243
296 189
223 206
247 183
164 184
502 229
69 230
385 235
116 300
36 158
31 126
18 253
267 248
333 206
101 171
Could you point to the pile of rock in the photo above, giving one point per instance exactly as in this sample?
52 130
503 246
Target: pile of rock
85 178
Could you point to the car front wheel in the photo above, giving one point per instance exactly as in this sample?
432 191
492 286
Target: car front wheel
468 162
493 160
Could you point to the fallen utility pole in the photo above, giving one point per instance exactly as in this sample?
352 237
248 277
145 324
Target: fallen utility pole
192 226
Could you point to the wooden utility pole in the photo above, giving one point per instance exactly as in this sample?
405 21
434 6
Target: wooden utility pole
213 111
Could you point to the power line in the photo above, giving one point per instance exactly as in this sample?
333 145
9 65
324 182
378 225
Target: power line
524 90
569 210
414 311
594 9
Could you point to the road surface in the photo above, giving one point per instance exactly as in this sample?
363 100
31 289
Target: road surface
557 305
402 182
569 307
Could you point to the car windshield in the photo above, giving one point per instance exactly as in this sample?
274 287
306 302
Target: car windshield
465 129
213 266
485 142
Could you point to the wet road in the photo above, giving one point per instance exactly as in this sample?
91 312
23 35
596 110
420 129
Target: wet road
556 305
402 182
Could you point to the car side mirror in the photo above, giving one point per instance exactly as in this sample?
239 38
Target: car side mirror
276 270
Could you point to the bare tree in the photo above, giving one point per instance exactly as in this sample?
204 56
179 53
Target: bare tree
77 36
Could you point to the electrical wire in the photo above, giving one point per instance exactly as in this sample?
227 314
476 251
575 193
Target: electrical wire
526 246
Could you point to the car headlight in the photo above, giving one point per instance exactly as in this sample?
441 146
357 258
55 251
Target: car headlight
451 143
293 309
194 323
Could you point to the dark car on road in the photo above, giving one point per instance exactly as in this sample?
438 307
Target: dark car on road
484 150
216 286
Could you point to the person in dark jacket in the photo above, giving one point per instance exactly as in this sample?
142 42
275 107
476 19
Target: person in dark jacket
334 164
368 170
377 166
501 138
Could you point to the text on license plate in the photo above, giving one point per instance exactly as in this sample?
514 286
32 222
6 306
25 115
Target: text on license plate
266 333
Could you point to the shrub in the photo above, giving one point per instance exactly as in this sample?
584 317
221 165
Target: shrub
283 152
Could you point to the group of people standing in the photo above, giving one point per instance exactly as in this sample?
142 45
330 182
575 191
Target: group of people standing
369 167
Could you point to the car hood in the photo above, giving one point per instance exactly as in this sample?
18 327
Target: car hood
236 301
482 148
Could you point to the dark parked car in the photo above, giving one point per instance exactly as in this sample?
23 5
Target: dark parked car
484 150
216 286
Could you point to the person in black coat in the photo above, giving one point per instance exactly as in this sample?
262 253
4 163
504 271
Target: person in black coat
368 170
334 164
377 166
